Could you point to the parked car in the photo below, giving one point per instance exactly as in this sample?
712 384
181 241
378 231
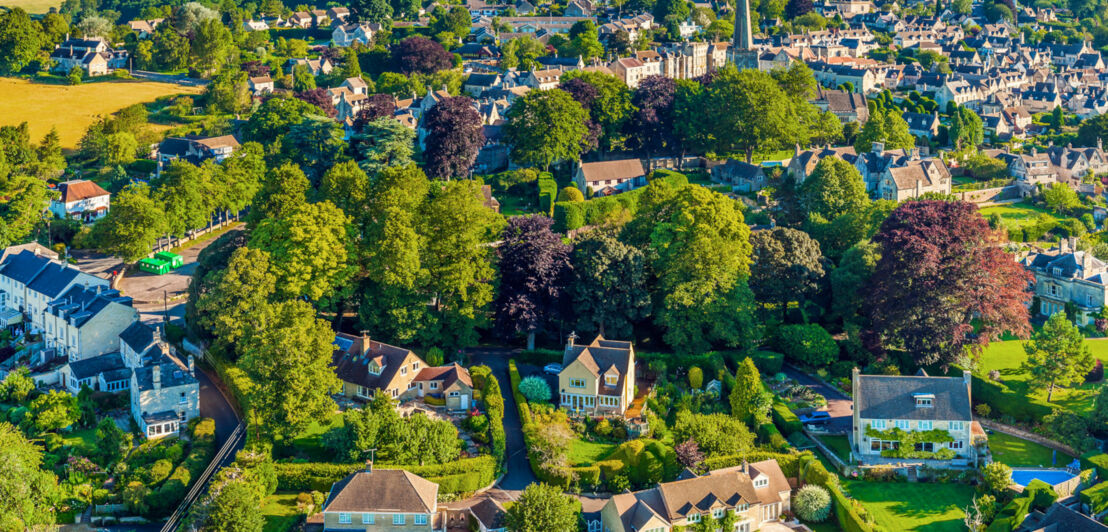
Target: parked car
816 418
552 369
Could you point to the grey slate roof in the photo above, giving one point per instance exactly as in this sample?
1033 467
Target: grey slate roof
893 397
171 374
138 336
53 279
91 367
79 304
23 267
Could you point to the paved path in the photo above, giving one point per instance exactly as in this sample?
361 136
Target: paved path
519 473
839 405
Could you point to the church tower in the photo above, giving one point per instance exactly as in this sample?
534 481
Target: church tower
743 54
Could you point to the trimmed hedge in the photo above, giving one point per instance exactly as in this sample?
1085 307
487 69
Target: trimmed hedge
1011 515
1098 461
521 401
785 419
494 408
789 463
1096 497
451 476
568 216
769 363
548 191
770 435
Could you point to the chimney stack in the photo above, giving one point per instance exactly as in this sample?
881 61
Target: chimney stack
157 376
570 340
192 366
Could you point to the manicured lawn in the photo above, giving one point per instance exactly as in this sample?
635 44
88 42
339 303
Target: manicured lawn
586 453
839 444
1016 452
914 506
280 512
84 441
32 6
310 441
1015 215
42 105
1006 358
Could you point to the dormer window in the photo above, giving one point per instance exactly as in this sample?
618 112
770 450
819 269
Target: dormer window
694 518
761 482
610 379
924 400
373 368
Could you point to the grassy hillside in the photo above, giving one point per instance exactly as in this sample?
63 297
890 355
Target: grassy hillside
32 6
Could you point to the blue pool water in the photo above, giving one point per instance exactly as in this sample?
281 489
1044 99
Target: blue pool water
1023 477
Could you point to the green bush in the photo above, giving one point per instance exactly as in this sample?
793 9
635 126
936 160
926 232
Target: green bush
812 503
787 422
570 193
769 435
1098 461
807 344
1042 494
1010 517
535 388
548 190
1096 497
319 476
568 216
673 178
1005 402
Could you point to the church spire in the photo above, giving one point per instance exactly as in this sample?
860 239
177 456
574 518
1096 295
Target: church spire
744 38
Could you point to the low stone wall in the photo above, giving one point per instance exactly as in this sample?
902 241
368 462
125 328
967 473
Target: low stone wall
1029 436
987 195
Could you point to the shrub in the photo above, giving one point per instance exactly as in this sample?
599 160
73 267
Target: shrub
696 378
768 362
787 422
809 345
983 410
1096 497
812 503
535 389
570 193
568 216
159 471
1096 460
1042 495
435 357
996 477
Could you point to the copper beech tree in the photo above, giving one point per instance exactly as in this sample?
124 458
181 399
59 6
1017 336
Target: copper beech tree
944 283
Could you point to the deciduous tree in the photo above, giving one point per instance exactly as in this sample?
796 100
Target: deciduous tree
542 508
786 267
545 127
420 55
941 267
134 223
608 290
28 491
534 268
650 127
230 308
454 137
309 249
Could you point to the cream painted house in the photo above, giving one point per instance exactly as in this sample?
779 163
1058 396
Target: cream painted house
886 407
382 500
749 495
366 367
598 378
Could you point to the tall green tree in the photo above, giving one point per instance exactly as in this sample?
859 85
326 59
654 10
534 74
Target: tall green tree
966 129
383 143
1057 355
21 211
315 145
228 93
187 197
134 223
394 303
542 508
700 255
849 279
309 249
29 492
458 228
346 185
545 127
230 308
283 191
786 267
608 289
748 400
20 40
289 362
241 175
887 128
610 109
751 113
274 117
235 508
211 44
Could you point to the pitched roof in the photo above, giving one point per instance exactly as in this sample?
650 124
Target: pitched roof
447 374
607 170
893 397
79 189
382 490
138 337
353 354
171 373
489 512
91 367
602 357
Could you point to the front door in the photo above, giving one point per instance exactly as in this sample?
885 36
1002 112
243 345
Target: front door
464 402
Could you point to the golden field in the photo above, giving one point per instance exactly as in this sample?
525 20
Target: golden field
32 6
72 108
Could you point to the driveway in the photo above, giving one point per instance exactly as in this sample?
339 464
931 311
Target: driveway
839 405
519 473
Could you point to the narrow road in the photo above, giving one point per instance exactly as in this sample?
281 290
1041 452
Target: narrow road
179 79
839 405
519 473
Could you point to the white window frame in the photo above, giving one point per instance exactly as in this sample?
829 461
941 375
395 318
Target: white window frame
925 425
399 519
576 383
903 424
367 519
344 518
611 380
454 394
693 517
434 385
878 424
957 425
420 519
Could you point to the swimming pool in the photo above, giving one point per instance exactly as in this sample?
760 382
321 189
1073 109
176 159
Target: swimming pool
1023 477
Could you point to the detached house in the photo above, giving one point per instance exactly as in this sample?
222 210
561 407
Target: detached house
916 178
367 367
194 149
93 56
610 177
349 34
164 395
381 500
1065 276
81 200
891 410
753 493
597 378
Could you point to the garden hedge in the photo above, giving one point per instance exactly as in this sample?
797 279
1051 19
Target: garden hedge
1098 461
568 216
494 408
768 362
1005 402
770 435
1011 516
1096 497
548 191
521 402
319 476
787 422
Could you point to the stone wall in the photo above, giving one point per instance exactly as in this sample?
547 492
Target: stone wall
987 195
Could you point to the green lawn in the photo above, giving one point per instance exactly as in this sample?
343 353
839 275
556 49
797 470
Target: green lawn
280 512
840 445
1006 358
82 441
913 506
1016 452
1016 215
583 453
310 440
